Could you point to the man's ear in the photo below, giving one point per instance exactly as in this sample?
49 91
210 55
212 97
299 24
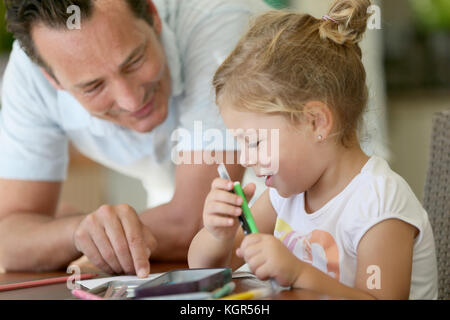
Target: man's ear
320 117
157 24
51 79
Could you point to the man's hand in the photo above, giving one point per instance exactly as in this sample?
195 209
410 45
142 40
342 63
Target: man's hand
114 239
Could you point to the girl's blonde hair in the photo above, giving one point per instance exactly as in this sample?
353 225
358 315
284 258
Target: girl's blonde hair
287 59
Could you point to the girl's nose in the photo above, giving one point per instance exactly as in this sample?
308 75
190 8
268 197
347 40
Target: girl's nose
243 160
248 158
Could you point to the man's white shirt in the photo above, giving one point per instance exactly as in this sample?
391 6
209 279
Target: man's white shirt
37 121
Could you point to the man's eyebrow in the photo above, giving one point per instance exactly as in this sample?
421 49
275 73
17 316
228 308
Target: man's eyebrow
133 54
130 57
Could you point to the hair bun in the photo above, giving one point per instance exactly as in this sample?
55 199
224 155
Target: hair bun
347 21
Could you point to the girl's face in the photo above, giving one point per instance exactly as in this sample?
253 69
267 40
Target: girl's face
287 156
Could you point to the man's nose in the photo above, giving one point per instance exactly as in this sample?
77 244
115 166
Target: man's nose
128 96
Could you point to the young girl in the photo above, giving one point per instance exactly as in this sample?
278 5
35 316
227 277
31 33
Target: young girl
332 220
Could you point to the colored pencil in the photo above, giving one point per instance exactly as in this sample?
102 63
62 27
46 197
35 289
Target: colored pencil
42 282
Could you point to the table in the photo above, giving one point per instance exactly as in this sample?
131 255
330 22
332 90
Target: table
61 292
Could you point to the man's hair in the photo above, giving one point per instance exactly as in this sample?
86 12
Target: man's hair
22 15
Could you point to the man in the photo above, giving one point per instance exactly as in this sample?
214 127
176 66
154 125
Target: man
117 88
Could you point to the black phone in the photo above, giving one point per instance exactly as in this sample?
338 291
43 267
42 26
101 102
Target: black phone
184 281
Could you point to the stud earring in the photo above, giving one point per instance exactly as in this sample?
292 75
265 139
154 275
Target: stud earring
320 137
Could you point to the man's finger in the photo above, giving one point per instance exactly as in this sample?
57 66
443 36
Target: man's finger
138 248
149 240
91 252
116 234
105 249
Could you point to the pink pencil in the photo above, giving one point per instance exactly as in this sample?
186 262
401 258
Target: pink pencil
42 282
85 295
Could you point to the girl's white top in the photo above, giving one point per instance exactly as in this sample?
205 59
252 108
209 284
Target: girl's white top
329 237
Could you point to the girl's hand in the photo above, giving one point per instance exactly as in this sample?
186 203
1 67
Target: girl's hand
268 258
222 209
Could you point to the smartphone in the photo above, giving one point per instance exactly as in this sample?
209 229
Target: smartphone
184 281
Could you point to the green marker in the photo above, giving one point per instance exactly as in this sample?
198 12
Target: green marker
245 209
246 218
224 291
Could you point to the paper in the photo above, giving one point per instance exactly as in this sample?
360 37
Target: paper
92 283
243 272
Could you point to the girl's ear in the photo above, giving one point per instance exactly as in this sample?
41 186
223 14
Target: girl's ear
157 24
51 79
320 117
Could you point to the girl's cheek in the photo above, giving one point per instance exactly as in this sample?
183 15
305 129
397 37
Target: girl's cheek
274 150
243 157
264 154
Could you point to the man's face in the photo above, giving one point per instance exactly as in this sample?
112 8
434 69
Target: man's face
115 66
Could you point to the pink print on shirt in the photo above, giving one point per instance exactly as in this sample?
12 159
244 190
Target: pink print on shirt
317 248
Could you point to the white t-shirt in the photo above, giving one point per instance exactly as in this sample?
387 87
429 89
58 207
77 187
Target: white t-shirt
329 237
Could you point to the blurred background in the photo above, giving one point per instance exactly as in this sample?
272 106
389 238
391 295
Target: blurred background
408 66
